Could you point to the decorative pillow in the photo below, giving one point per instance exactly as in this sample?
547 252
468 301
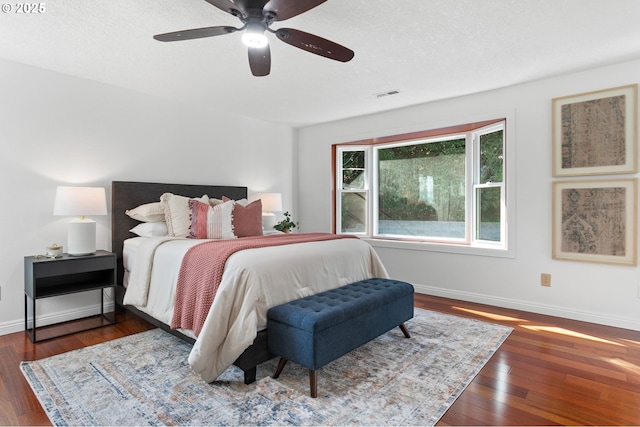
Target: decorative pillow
150 229
247 220
149 212
178 214
243 202
211 222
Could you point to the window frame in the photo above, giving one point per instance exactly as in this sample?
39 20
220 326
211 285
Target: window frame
472 244
476 184
337 200
374 232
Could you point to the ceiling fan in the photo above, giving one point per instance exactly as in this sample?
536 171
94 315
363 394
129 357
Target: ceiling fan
257 17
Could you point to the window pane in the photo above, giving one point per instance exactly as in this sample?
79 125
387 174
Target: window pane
354 213
422 189
491 157
489 214
352 179
353 172
353 159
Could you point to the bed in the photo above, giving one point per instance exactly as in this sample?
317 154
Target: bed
347 261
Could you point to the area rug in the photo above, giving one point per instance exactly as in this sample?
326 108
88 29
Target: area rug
144 379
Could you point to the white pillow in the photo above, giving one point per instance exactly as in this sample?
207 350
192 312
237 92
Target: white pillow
149 212
241 202
150 229
177 213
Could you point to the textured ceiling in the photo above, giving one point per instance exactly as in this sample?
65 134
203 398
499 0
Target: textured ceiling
425 49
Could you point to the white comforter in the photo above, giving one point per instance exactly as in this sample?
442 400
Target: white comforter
254 280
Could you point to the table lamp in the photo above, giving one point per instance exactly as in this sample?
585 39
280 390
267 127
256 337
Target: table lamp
80 201
271 202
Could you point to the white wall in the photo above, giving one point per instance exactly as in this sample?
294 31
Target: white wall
60 130
57 130
607 294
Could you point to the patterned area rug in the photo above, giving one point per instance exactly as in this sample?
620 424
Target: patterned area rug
144 379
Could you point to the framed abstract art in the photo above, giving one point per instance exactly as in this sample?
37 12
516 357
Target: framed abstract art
596 133
595 220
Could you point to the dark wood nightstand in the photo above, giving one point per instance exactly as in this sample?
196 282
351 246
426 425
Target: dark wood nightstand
47 277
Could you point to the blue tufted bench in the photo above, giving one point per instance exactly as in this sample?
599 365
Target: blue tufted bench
318 329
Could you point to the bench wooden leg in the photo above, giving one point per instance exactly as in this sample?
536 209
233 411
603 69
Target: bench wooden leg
404 330
313 377
280 367
313 383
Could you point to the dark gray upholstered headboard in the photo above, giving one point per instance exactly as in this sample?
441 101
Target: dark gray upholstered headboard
127 195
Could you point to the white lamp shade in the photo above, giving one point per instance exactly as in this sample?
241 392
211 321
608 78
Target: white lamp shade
271 202
80 201
74 201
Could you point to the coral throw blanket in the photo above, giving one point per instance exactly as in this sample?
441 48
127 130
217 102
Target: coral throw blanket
202 268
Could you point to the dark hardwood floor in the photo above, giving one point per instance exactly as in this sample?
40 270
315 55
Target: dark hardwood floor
549 371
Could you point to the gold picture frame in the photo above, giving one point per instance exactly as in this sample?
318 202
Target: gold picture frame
595 221
596 133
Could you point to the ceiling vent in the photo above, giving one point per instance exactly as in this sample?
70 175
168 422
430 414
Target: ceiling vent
388 93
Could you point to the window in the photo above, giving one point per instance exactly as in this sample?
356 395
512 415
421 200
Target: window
354 192
442 186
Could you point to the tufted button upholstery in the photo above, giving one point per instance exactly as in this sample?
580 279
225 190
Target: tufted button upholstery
318 329
329 308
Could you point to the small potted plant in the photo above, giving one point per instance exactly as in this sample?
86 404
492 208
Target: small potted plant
286 224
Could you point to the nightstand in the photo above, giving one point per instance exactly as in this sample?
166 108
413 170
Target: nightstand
52 277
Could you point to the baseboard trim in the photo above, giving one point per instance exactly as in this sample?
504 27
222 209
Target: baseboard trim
549 310
57 317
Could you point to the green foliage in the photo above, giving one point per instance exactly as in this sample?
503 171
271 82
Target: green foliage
418 151
401 171
402 174
286 223
354 211
395 207
491 170
491 157
490 204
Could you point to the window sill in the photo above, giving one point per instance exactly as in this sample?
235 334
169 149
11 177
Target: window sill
490 251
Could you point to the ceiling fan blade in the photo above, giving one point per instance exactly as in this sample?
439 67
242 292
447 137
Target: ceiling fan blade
260 60
227 6
285 9
196 33
315 44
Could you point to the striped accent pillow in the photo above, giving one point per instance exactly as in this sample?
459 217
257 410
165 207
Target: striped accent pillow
209 222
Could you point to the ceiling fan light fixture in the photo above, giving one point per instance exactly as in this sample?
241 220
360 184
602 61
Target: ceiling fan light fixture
256 17
254 40
254 35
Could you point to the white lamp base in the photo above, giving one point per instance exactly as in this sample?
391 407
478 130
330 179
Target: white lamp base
81 237
268 221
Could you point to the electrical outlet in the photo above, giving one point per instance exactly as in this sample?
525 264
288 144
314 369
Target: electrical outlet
545 279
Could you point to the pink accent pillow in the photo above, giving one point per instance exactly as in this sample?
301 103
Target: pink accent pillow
247 220
211 222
